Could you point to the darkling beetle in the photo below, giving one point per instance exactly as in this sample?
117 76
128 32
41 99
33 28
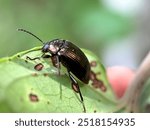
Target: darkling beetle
69 55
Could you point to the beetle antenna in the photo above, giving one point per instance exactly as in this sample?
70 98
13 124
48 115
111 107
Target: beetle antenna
23 30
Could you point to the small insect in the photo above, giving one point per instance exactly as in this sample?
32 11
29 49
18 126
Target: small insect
70 56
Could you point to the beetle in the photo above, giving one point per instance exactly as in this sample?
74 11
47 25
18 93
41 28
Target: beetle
70 56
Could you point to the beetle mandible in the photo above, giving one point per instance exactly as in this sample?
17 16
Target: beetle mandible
70 56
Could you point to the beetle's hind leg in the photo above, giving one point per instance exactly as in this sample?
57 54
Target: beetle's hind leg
76 88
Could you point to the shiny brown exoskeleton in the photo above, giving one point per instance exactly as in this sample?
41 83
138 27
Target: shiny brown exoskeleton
69 55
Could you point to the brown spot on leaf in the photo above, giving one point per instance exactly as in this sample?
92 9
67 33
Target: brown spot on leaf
103 88
34 74
39 67
92 76
33 97
45 74
97 83
93 64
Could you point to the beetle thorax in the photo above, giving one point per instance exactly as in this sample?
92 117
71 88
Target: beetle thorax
53 46
53 49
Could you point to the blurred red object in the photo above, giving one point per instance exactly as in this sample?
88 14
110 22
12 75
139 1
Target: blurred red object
119 77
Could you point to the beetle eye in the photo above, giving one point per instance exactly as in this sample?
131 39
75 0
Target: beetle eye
45 48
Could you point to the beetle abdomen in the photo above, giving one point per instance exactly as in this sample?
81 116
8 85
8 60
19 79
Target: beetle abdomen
76 62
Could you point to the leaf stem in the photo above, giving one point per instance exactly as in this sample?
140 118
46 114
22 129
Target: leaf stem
131 97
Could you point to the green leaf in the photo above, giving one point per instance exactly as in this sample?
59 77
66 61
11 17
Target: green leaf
24 89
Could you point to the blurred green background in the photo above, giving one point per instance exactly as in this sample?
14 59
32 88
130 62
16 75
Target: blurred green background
90 24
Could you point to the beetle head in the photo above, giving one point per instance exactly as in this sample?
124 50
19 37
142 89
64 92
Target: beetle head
53 46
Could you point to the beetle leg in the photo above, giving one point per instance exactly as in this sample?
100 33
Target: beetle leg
56 63
27 57
76 88
43 56
58 69
46 56
32 58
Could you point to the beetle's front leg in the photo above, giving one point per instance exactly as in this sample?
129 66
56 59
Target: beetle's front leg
56 62
29 58
76 88
38 58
